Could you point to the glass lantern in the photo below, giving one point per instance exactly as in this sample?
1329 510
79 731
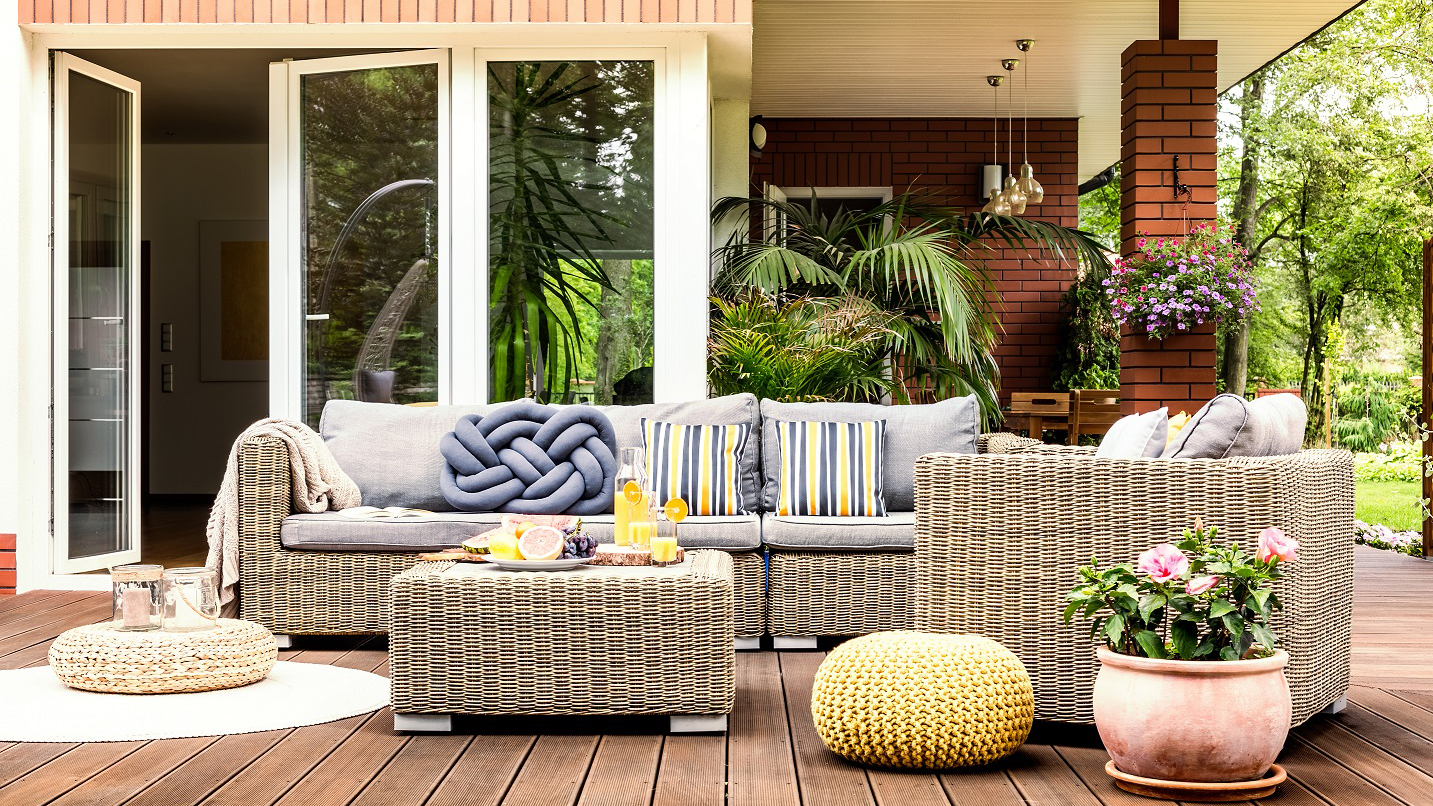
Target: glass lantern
137 601
191 599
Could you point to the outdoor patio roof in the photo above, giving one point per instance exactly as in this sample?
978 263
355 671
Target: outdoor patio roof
928 58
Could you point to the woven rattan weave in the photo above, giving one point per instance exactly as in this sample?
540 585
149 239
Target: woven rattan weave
838 593
910 699
470 639
345 592
998 539
99 657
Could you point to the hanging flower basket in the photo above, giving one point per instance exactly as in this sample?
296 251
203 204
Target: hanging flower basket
1172 285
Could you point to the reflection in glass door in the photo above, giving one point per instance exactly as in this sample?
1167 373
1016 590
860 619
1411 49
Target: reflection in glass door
96 280
368 151
570 230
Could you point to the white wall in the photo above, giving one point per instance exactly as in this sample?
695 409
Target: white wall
190 430
731 156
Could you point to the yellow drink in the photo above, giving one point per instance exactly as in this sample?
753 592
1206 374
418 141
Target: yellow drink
641 533
664 549
624 513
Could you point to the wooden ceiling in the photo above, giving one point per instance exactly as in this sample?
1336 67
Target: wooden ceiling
929 58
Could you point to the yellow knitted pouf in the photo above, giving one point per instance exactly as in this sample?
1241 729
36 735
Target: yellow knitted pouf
922 700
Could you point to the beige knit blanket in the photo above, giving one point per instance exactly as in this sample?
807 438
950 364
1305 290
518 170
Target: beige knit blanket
318 485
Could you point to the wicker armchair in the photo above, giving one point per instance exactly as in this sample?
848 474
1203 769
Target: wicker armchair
346 592
999 535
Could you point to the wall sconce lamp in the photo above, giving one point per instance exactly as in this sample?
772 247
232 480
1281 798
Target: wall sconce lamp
756 131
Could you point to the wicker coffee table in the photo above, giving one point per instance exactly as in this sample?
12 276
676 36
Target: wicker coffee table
469 638
100 657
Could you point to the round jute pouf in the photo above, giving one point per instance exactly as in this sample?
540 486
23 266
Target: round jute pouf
922 700
99 657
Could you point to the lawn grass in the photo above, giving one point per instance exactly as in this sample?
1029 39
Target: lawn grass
1391 503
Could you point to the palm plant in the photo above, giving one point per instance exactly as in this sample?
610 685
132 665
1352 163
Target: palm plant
799 348
922 264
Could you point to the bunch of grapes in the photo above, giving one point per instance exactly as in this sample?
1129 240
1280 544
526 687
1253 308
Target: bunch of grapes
579 545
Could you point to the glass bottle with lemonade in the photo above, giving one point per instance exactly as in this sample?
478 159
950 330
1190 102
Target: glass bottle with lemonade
629 493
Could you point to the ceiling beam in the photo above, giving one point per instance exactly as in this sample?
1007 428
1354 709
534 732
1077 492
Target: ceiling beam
1168 19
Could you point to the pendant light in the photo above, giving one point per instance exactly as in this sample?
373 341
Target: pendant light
1034 192
1014 196
997 205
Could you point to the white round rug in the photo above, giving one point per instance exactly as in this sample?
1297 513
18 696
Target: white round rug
37 707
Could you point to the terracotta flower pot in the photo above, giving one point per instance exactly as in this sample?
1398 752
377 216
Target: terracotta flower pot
1202 721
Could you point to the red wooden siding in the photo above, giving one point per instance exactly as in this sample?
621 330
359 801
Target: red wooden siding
339 11
1169 109
943 157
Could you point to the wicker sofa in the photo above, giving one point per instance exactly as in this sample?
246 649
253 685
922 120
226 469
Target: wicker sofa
999 536
795 577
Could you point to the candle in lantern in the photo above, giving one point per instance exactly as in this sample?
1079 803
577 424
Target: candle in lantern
135 608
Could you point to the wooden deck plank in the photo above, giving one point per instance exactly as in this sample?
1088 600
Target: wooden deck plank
555 772
1329 780
267 778
623 772
905 788
43 627
65 772
414 773
823 777
20 759
1089 765
132 774
1403 710
483 772
761 770
361 756
208 770
989 786
1043 777
1388 735
1397 777
692 772
18 607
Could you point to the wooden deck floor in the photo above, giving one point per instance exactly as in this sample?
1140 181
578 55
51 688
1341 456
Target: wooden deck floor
1377 753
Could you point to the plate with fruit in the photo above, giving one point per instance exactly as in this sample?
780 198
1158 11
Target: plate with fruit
535 543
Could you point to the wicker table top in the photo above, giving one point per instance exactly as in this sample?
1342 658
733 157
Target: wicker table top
575 575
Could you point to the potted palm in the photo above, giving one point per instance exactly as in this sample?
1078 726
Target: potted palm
1191 698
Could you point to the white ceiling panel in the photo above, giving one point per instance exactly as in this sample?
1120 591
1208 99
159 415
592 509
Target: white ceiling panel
929 58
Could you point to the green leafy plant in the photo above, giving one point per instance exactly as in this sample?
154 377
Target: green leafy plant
921 263
1193 600
799 349
1088 351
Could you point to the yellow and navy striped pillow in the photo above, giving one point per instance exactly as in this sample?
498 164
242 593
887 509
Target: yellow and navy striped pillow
831 468
699 463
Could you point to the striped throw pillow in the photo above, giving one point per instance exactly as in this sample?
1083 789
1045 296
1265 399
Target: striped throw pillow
699 463
831 468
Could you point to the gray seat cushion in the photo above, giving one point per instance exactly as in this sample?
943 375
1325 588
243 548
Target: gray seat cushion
391 452
896 531
950 426
330 531
1229 426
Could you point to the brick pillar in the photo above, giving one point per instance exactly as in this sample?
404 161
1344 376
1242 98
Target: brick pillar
7 564
1169 108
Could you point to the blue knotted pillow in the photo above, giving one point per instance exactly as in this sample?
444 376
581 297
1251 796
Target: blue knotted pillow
531 458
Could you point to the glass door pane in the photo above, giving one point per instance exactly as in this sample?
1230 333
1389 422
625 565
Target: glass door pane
570 252
369 167
96 521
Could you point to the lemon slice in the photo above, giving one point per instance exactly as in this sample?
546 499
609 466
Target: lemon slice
632 491
677 510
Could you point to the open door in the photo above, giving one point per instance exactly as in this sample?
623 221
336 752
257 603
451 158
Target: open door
358 295
96 334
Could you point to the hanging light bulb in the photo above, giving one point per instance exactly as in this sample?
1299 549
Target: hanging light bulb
1034 192
1014 196
990 176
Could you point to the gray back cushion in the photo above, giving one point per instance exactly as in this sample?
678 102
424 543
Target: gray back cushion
1230 426
950 426
391 452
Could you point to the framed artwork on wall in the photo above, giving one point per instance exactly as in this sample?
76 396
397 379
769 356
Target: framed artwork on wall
233 301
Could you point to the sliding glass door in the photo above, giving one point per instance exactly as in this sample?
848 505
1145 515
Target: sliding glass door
96 279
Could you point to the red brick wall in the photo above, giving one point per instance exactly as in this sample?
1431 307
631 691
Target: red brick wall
1169 110
943 157
7 564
